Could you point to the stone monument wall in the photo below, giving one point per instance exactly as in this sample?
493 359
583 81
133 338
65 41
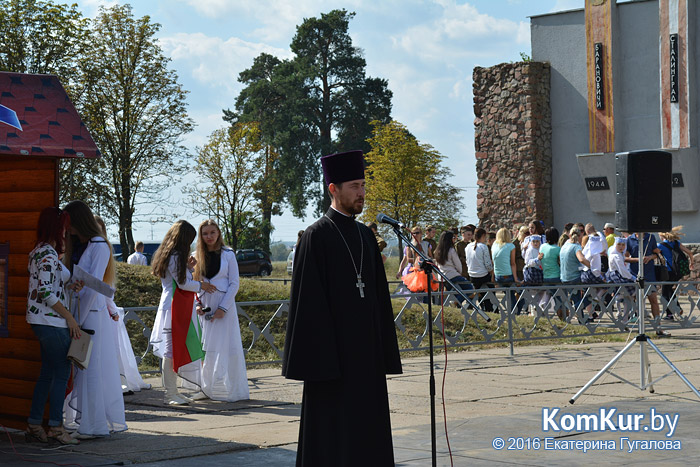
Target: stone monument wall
512 139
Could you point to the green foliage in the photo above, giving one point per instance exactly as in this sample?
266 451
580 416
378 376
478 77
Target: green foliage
261 103
47 38
525 57
279 270
136 112
316 103
279 252
406 179
41 37
136 286
252 290
230 165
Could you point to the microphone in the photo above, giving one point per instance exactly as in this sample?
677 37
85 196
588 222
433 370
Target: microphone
384 219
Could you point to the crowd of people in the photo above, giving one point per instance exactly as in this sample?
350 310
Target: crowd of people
198 291
534 256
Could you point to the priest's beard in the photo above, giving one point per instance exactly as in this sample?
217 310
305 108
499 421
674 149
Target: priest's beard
351 207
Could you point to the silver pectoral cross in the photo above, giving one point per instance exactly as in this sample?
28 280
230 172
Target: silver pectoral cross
360 285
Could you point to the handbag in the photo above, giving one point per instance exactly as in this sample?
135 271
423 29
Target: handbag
417 281
80 349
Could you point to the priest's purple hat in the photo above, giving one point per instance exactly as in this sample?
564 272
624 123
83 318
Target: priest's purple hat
343 167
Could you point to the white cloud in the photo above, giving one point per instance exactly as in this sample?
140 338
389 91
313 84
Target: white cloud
95 4
461 32
207 120
90 8
277 18
462 89
214 61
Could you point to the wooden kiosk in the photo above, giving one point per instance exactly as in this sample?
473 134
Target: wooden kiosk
38 125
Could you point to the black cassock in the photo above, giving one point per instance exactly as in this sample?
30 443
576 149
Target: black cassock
342 346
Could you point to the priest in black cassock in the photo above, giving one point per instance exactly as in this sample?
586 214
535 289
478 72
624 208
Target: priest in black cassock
341 339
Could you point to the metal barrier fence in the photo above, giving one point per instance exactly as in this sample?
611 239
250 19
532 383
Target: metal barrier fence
516 314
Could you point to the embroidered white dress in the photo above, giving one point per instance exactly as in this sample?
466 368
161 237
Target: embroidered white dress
161 337
224 374
95 406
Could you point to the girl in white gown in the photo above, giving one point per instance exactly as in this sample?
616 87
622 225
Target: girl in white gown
173 264
95 406
131 379
223 370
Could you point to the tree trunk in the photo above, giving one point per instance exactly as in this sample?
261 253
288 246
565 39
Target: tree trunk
126 236
234 234
266 202
326 127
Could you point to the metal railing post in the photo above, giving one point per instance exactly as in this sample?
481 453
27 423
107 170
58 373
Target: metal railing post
510 304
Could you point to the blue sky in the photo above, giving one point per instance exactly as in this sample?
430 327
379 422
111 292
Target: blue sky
425 49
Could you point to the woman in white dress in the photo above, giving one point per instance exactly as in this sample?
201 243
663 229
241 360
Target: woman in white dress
131 379
95 406
223 370
173 264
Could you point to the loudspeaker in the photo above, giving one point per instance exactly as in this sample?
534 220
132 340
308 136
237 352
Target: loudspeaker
643 201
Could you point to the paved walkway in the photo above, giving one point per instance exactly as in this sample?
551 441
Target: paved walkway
488 395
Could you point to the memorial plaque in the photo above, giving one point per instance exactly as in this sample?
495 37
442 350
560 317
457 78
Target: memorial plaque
599 89
597 183
673 67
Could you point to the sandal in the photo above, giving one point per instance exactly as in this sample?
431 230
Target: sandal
36 433
61 435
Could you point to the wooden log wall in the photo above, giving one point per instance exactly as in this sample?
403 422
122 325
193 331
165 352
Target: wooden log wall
27 185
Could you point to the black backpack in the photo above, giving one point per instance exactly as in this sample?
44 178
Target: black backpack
680 264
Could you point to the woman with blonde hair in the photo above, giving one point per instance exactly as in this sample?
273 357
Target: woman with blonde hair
173 264
95 407
521 235
128 368
503 255
223 368
571 261
505 268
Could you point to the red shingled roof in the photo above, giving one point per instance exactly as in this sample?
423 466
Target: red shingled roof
50 125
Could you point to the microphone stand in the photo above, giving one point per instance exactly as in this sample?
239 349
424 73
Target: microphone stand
427 265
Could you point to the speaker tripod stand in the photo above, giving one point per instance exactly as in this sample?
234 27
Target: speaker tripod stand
645 378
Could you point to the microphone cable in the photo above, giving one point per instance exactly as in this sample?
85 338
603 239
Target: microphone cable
444 370
34 460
